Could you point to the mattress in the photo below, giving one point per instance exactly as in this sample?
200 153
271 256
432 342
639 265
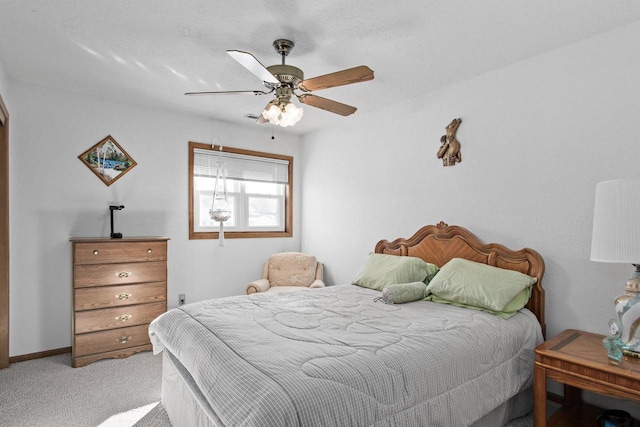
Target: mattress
335 357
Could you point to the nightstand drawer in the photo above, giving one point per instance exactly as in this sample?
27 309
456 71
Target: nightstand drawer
108 318
116 274
119 251
116 339
116 296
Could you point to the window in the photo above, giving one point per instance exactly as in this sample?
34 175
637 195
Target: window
259 190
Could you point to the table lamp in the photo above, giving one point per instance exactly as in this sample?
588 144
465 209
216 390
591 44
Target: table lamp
616 239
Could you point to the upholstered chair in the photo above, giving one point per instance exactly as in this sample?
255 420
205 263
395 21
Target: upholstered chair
288 271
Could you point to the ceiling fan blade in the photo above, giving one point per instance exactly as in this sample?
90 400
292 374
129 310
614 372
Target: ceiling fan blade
250 62
327 104
339 78
259 118
231 92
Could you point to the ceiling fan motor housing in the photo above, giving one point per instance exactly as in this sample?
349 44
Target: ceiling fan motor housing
287 74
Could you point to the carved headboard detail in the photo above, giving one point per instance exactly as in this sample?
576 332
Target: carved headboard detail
440 243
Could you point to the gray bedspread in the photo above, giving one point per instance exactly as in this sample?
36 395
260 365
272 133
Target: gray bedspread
334 357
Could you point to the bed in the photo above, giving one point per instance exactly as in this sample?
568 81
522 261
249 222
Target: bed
338 356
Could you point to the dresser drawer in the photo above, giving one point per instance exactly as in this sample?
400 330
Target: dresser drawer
119 274
118 251
116 296
116 339
108 318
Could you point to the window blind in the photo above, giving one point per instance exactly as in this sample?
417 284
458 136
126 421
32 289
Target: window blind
241 166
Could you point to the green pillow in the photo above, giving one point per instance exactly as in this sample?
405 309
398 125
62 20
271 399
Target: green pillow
380 270
512 308
403 292
479 285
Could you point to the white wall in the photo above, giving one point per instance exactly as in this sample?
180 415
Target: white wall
536 138
55 196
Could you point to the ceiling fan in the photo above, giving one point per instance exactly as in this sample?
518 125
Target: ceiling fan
285 81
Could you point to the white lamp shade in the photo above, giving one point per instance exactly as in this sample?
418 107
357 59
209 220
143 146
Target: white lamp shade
616 222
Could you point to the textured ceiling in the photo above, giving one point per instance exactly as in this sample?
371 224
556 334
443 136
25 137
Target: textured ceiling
150 52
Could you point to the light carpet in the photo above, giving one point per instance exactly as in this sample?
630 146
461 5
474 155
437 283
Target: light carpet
108 393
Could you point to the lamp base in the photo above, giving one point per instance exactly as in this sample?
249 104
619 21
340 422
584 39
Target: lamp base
627 307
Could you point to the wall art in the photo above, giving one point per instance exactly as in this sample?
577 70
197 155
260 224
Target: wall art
108 160
449 152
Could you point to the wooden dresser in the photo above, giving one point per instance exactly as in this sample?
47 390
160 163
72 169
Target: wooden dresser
119 287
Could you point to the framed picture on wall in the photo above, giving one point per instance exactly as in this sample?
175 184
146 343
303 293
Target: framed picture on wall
108 160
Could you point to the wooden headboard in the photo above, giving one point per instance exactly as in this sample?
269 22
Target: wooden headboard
440 243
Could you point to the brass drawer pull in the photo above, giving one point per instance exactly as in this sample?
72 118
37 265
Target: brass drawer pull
95 252
148 251
123 296
123 339
124 274
124 317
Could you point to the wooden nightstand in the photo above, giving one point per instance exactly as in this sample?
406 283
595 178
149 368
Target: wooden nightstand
578 360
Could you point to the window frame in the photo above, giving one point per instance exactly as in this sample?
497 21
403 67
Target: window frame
288 196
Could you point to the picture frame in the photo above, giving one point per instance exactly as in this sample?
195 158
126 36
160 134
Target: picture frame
108 160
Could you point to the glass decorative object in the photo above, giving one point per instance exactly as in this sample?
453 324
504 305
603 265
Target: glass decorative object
613 344
219 211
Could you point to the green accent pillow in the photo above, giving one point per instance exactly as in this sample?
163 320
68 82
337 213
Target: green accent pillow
403 292
380 270
512 308
479 285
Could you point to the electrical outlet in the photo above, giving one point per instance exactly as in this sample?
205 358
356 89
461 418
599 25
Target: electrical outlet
181 299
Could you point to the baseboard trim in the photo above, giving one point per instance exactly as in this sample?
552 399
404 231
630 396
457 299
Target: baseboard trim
39 355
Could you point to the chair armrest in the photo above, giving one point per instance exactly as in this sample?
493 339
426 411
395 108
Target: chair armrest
260 285
317 284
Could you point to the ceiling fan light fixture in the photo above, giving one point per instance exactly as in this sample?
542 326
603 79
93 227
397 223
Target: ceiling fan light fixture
286 116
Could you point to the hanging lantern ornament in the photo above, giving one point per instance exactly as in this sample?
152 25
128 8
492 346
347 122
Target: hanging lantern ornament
220 205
